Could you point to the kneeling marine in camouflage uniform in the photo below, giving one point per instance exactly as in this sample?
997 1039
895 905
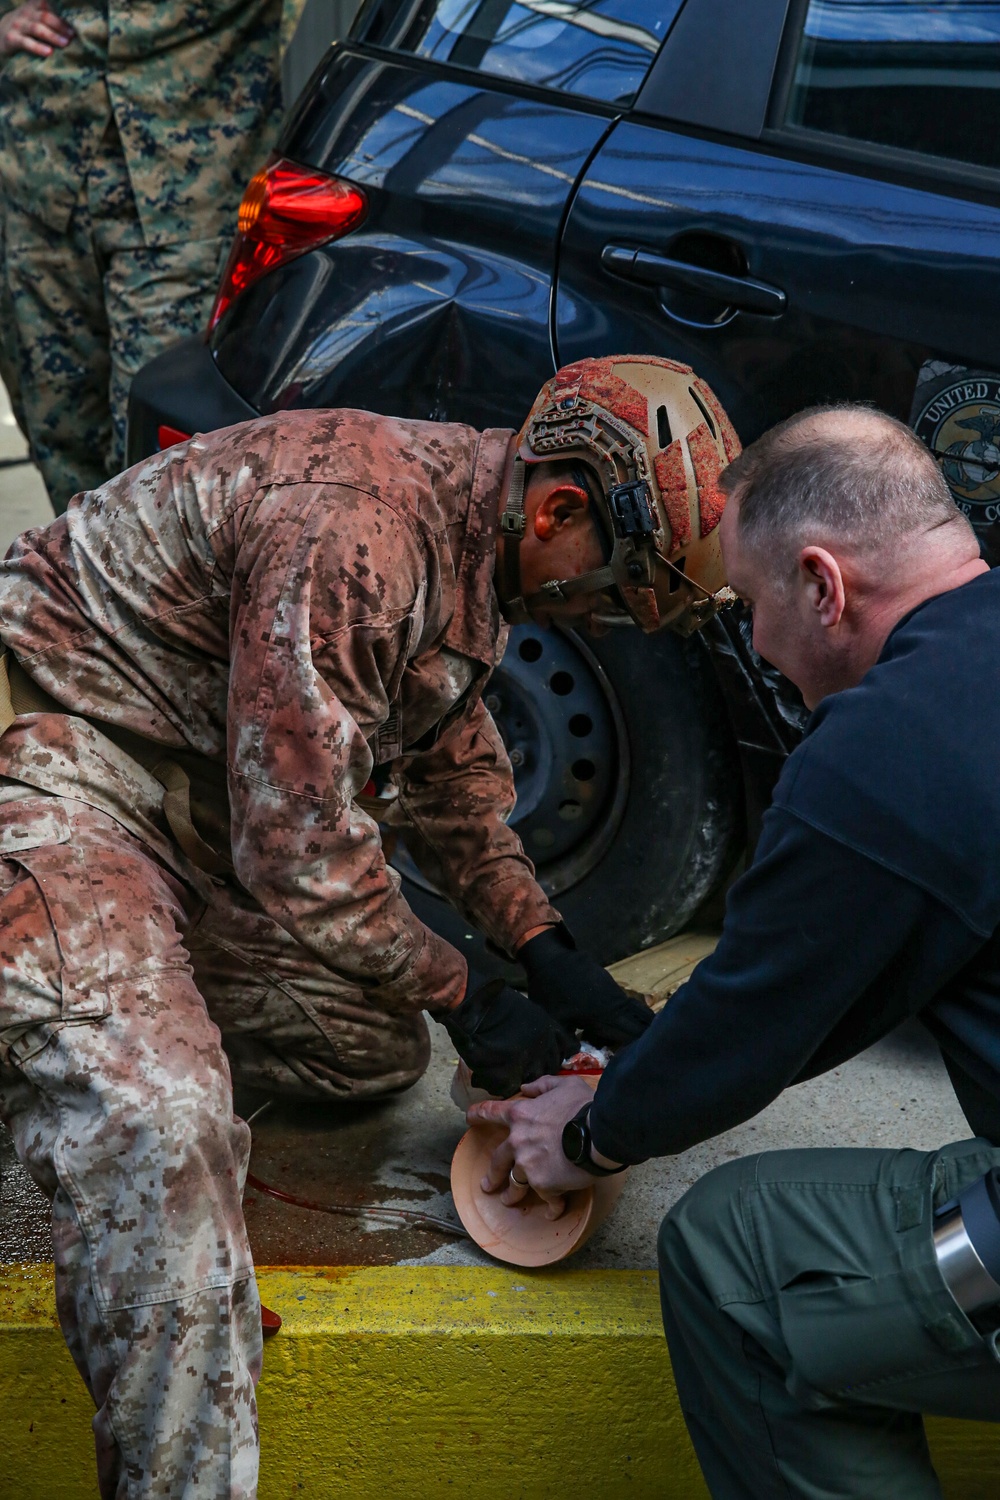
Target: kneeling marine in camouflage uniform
204 661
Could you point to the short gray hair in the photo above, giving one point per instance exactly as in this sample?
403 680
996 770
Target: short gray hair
867 484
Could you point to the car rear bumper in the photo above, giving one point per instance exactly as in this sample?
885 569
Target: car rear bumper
184 390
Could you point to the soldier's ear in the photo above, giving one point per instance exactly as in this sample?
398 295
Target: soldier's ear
563 504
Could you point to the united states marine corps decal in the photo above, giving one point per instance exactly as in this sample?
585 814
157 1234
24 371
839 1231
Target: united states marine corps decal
957 414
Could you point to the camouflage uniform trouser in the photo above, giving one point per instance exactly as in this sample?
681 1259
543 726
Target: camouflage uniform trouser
114 985
83 311
9 360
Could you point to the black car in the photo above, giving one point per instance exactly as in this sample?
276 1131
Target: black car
800 198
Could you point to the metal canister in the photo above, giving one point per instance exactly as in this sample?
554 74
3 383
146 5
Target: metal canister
967 1244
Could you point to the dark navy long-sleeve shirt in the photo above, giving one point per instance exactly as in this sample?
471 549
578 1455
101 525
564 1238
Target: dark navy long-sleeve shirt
874 895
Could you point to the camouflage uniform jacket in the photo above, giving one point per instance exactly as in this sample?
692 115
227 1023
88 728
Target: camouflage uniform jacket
194 89
299 598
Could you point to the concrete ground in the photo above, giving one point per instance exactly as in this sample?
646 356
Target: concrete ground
398 1154
23 501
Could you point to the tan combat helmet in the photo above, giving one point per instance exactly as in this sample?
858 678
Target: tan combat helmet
657 438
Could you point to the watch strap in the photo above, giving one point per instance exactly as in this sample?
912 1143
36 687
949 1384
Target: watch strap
579 1127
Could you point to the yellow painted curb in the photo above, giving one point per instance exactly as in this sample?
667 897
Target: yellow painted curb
425 1382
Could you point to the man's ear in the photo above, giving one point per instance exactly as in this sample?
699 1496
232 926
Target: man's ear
820 575
563 504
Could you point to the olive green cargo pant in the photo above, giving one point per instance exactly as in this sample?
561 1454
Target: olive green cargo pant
809 1325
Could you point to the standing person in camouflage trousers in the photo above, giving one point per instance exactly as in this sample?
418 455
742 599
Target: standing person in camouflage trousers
128 130
208 657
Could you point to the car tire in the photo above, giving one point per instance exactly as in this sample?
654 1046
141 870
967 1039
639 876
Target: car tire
681 828
671 826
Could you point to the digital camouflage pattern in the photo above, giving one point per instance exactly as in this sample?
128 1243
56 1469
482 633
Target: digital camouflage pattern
9 361
285 603
193 87
115 1084
116 1089
86 308
123 158
299 598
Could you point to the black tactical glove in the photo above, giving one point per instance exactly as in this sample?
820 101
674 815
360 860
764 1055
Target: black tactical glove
504 1038
574 989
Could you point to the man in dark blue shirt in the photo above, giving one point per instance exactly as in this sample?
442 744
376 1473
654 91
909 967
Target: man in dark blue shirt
808 1322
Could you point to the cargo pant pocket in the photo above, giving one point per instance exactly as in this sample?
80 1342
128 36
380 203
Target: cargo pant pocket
37 837
886 1336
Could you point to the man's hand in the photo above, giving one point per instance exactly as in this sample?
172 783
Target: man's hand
504 1038
574 989
534 1141
33 27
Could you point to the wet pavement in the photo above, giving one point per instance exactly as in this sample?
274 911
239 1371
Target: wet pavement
24 1214
394 1154
397 1154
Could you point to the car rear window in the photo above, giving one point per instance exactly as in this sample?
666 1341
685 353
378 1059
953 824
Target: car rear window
600 49
908 74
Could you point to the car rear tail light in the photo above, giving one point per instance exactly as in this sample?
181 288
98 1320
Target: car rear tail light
286 210
166 436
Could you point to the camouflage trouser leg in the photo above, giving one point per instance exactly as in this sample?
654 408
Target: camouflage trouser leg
59 339
288 1024
88 308
117 1091
153 297
9 362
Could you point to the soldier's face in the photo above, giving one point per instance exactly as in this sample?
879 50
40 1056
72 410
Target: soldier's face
562 541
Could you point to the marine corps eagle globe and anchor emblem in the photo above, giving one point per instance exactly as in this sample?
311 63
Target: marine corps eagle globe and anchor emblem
956 412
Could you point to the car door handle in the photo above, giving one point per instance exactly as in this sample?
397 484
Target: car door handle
740 292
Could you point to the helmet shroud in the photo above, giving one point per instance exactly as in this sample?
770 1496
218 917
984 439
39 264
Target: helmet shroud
657 439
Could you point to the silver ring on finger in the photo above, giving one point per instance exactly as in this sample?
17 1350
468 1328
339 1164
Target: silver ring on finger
516 1181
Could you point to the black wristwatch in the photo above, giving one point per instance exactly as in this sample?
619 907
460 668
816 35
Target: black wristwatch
576 1144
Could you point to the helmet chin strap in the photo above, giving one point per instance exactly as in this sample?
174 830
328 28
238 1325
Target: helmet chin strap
559 590
513 524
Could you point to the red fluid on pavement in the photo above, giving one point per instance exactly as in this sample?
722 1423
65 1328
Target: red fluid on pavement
359 1210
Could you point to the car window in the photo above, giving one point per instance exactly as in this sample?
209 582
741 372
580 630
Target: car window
601 49
908 74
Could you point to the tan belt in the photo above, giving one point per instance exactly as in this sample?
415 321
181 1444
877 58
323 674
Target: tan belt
20 694
30 699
